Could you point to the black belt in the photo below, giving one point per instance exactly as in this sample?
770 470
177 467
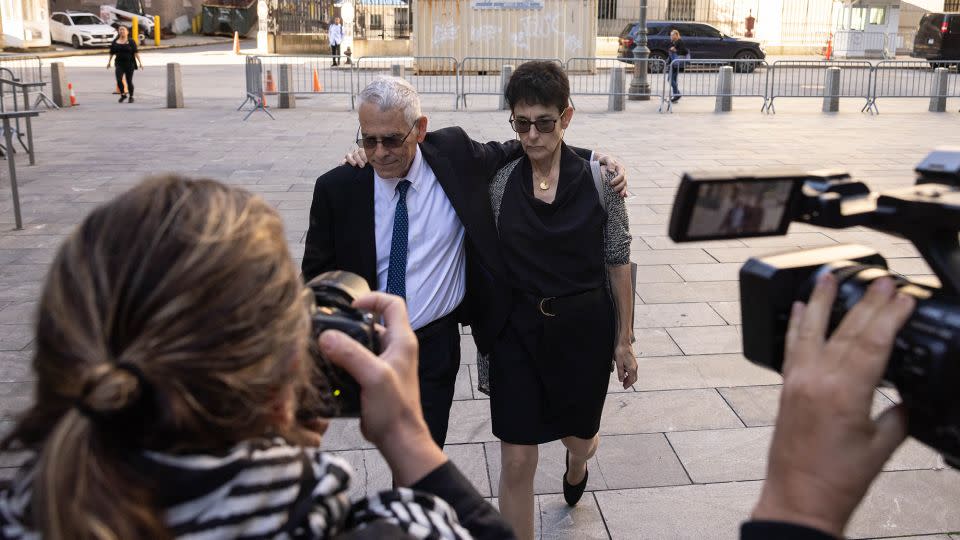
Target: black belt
551 306
433 328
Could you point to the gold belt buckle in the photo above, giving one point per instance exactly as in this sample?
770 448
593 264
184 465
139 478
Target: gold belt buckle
543 305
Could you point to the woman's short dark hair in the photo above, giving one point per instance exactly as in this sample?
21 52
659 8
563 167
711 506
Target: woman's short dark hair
540 82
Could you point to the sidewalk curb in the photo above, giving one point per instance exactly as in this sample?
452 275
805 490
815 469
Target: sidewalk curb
103 51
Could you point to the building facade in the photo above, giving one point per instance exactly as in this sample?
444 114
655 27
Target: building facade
784 26
24 24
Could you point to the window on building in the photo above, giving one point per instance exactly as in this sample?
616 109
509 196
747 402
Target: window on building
607 9
952 5
859 19
376 21
681 10
878 16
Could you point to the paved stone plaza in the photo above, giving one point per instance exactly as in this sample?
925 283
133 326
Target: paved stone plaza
683 453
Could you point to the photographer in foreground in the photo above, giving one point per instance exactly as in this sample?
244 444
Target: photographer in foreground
171 352
826 449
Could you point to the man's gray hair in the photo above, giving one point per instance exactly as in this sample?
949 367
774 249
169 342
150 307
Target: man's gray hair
393 93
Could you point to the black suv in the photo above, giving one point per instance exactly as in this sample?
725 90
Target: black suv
938 38
704 41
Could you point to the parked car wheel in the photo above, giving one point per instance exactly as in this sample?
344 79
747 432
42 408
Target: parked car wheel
75 41
746 66
657 67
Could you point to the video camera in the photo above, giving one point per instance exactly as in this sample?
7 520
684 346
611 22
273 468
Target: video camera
924 366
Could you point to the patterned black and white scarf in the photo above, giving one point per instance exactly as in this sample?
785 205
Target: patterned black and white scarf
263 489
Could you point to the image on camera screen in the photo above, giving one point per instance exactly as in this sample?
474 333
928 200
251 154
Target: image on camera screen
739 208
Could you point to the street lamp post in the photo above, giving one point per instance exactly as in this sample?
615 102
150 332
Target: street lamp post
639 86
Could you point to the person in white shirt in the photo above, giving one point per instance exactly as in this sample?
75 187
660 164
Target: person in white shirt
335 31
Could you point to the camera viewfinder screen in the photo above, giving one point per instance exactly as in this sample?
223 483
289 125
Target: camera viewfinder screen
739 208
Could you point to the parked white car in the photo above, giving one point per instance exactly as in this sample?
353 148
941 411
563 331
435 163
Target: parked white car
80 29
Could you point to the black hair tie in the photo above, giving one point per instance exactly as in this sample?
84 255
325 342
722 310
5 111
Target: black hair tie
131 421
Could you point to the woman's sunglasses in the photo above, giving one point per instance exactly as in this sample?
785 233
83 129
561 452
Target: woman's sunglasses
544 125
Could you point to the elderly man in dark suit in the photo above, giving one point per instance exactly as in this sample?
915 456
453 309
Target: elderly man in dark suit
417 224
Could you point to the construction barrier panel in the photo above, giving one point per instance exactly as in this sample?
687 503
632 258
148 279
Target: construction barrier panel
481 75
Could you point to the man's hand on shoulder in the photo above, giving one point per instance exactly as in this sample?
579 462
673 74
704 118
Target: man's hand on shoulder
356 158
619 180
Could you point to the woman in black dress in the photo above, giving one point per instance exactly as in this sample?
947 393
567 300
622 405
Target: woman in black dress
567 254
127 60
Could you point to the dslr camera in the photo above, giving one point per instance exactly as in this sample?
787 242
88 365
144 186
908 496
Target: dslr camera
331 308
924 365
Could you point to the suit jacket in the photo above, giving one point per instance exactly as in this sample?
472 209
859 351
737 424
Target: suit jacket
341 233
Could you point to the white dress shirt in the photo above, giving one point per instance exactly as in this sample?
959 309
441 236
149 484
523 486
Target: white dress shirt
436 262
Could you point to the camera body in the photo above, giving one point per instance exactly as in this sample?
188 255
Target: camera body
332 309
924 365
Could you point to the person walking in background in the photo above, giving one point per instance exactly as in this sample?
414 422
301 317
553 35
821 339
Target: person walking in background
678 51
336 38
125 50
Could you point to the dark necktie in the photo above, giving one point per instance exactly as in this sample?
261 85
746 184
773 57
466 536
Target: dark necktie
397 271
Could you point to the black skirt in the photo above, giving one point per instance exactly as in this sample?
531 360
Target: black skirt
549 375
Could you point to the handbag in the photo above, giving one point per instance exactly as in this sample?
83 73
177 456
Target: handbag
483 360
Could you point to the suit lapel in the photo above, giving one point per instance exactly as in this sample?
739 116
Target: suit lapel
362 222
445 174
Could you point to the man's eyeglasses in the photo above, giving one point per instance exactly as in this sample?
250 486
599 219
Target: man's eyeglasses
391 142
544 125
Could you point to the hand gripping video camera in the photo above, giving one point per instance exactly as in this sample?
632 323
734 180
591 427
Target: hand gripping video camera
925 363
332 309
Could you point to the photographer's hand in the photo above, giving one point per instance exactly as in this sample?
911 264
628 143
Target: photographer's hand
390 413
826 449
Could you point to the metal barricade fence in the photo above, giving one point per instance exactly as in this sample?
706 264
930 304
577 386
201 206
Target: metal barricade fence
912 79
702 78
807 79
430 75
590 76
481 75
309 74
253 82
26 69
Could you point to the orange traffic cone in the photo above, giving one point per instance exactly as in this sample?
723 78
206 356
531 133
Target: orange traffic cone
829 52
317 87
271 86
236 43
73 95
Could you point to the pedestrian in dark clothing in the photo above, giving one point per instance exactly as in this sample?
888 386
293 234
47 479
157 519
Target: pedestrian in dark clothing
678 51
127 60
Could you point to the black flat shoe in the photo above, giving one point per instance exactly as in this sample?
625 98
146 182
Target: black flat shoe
571 493
123 97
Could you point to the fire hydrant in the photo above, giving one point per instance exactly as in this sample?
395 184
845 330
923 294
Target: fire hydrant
348 53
